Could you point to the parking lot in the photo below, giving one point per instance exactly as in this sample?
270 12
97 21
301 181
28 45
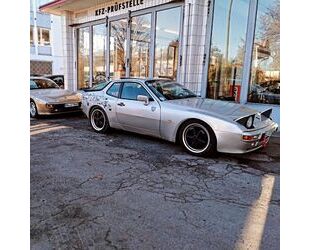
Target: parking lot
127 191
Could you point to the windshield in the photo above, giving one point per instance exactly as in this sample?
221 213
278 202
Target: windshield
99 86
167 90
43 84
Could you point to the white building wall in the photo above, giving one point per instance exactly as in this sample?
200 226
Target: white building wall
68 41
57 46
193 42
54 52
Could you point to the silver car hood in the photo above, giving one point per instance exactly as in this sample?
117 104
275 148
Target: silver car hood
215 107
55 95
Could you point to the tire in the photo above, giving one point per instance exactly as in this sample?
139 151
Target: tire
33 109
98 120
197 138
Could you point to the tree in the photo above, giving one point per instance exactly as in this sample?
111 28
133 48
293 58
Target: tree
269 30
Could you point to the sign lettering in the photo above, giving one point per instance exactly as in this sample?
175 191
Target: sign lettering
118 6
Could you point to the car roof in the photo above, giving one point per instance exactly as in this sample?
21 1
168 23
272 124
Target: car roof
145 79
141 79
40 77
52 75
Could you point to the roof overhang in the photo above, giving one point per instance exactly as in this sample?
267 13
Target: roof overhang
58 7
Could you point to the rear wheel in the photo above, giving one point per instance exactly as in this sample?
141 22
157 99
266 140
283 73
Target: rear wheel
99 120
198 138
33 109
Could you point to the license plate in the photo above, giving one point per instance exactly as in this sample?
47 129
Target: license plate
69 105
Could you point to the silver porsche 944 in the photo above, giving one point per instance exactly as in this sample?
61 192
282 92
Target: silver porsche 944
166 109
46 98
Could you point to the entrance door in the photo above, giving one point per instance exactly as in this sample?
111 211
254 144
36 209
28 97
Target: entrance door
83 58
167 43
99 33
140 45
145 43
134 115
118 44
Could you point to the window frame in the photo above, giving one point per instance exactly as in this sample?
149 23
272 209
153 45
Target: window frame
91 55
40 35
77 56
250 56
129 36
249 44
154 37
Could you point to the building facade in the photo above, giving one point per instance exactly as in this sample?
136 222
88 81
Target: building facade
46 51
221 49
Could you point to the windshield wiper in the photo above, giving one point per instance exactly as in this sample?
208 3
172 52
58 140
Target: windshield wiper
190 96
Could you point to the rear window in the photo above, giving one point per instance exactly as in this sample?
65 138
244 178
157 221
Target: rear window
114 89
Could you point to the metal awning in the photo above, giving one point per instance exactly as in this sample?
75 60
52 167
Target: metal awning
57 7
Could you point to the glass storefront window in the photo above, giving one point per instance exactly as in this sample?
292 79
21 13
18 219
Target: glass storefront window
140 45
118 41
265 74
167 43
44 37
83 58
99 53
227 49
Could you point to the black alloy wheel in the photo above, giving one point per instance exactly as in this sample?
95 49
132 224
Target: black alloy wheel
99 120
198 138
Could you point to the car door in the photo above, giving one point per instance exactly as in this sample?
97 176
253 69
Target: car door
110 99
137 116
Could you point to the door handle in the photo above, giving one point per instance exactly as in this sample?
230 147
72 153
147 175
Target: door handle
121 104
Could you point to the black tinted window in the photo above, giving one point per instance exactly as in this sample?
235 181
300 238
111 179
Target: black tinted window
131 90
114 89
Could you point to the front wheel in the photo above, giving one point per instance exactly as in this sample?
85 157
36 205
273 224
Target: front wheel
98 120
198 138
33 109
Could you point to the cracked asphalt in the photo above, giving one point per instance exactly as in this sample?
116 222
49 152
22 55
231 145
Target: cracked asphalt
127 191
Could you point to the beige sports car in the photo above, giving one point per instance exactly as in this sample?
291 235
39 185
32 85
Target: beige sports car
46 98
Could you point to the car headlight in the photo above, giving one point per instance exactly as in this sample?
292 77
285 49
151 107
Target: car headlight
249 122
50 106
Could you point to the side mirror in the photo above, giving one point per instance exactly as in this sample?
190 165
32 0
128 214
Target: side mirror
143 98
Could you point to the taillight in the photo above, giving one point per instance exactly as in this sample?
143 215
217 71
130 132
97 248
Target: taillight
250 137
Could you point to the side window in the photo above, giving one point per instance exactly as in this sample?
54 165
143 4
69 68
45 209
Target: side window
131 90
114 89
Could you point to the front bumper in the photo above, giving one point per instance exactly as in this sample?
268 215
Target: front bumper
57 108
247 141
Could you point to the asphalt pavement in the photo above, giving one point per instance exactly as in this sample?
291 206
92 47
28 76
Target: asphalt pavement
126 191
